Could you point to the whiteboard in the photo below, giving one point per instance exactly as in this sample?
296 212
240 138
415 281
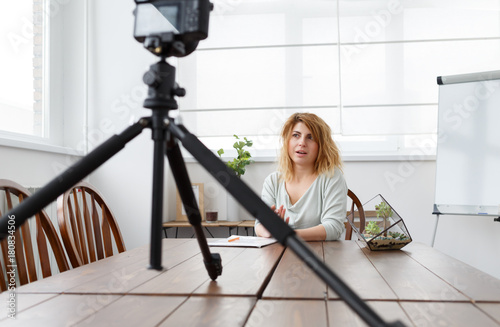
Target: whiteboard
468 147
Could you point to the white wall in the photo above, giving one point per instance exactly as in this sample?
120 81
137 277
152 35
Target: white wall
31 168
116 65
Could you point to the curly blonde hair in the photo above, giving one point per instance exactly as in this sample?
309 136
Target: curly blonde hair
328 153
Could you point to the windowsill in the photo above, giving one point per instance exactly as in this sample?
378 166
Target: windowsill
387 157
345 158
36 146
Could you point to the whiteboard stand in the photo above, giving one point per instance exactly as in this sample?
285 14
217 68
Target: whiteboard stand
464 210
468 155
437 213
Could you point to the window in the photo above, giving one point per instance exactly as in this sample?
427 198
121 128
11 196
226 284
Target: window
368 68
43 80
22 66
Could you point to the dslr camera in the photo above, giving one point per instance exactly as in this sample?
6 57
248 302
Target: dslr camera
171 27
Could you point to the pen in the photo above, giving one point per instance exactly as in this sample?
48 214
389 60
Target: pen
233 239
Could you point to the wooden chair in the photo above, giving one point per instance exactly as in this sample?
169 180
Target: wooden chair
22 242
358 214
88 227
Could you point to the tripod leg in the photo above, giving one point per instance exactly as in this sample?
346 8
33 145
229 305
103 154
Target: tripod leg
71 176
212 260
280 230
158 132
237 188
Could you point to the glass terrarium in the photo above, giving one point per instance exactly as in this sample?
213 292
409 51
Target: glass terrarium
384 229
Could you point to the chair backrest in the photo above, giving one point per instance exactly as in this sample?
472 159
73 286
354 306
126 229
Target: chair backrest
19 244
88 227
356 214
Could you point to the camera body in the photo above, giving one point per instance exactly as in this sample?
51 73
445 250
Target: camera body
171 27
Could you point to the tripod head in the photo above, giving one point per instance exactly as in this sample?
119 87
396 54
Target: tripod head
160 79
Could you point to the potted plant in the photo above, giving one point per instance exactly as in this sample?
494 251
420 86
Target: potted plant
384 228
238 164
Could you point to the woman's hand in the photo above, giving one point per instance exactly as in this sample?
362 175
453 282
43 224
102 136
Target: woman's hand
261 231
280 212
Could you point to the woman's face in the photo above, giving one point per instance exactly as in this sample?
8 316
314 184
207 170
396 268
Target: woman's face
302 148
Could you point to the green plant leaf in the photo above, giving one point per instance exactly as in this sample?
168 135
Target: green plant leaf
243 157
239 145
372 228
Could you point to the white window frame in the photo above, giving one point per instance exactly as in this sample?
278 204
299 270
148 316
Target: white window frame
65 60
421 148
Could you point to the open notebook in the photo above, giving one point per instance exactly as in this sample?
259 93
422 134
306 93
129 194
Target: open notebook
242 241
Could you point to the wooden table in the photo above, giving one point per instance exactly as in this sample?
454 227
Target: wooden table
260 287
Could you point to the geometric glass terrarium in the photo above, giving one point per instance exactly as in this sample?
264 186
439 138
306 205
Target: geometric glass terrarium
384 229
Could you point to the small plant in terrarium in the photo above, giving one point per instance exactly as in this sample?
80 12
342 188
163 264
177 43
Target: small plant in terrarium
398 236
384 228
372 228
384 211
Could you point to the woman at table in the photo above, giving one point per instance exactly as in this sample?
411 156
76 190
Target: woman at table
308 191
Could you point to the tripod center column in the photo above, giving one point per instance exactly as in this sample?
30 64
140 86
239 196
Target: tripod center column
162 88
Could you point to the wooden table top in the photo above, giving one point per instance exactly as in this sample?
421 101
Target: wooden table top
269 286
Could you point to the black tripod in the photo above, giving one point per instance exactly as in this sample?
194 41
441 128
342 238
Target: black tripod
166 134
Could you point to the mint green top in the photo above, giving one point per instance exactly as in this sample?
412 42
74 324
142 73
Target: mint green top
325 203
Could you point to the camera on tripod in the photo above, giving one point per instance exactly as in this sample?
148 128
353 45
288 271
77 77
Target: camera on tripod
171 27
